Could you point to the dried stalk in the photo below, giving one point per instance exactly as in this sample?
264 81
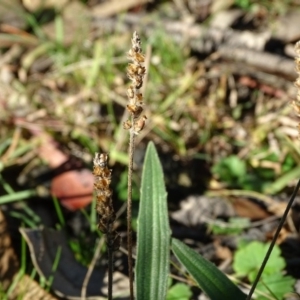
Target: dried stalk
106 211
135 124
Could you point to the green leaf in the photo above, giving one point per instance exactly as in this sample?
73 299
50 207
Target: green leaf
210 279
179 291
245 4
248 259
153 235
122 188
276 285
230 169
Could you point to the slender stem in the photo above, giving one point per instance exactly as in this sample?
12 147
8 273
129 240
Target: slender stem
110 251
129 212
282 221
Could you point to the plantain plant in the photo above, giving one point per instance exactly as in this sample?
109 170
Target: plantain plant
154 241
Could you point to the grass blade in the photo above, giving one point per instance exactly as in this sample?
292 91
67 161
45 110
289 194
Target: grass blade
280 183
17 196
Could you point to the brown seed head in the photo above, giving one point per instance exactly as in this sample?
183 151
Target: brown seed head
127 124
139 124
101 160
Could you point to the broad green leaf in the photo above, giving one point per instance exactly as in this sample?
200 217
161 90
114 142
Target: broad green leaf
275 285
248 260
153 232
211 280
179 291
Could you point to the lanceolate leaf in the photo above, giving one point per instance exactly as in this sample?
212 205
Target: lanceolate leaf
153 236
210 279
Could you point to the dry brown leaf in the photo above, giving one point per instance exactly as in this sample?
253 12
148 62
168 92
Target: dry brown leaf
222 252
28 289
249 209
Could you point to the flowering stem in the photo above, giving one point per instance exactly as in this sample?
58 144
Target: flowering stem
129 213
135 72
